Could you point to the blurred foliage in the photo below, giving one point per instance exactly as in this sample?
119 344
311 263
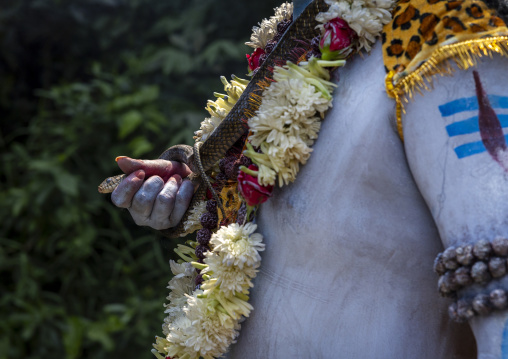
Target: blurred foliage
84 82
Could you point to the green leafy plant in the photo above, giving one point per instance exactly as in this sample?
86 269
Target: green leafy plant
93 81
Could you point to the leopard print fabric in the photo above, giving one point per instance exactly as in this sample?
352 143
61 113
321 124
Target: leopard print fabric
419 27
426 36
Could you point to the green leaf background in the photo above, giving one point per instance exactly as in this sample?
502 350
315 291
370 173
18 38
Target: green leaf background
81 83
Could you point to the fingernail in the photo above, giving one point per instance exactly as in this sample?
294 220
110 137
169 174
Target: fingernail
119 158
177 178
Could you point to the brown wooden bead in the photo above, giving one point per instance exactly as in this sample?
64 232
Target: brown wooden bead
500 246
480 272
465 254
481 304
463 276
450 258
464 309
498 299
439 266
497 267
447 284
454 315
482 249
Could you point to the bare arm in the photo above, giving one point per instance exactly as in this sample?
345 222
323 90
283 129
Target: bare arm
457 150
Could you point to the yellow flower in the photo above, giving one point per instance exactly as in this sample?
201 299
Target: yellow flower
219 108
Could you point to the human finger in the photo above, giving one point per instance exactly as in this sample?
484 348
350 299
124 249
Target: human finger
165 203
123 194
162 168
182 201
143 200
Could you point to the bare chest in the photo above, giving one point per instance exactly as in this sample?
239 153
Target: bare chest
350 244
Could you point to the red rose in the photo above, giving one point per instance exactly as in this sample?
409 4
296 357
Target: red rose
337 39
254 58
251 190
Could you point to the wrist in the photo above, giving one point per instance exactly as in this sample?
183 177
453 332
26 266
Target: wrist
491 333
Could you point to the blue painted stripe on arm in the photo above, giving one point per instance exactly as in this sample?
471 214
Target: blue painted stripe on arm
472 148
459 105
502 102
504 343
471 125
463 127
469 149
471 104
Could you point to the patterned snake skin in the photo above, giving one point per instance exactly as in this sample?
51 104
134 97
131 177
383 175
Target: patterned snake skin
203 157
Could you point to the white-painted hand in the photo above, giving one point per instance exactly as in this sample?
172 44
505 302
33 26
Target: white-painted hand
161 200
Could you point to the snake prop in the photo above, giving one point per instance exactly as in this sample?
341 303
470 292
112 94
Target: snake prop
204 155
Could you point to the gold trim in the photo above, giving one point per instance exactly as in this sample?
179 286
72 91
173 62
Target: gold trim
465 54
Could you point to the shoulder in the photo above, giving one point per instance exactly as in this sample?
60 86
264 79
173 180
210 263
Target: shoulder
360 96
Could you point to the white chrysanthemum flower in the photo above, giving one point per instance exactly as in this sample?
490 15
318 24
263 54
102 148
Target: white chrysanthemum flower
288 110
185 269
193 223
268 28
365 17
230 279
284 12
238 245
263 33
285 126
212 331
284 164
180 285
180 330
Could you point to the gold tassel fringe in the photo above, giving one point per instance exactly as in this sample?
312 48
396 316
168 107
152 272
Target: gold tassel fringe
465 54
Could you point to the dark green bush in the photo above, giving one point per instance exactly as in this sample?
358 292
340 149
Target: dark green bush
84 82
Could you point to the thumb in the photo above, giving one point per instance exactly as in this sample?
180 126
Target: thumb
164 169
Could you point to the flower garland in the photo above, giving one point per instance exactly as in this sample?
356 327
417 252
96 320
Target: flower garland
210 288
218 111
205 322
288 120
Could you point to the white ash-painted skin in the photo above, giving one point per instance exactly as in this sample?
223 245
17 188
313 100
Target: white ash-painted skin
468 197
347 270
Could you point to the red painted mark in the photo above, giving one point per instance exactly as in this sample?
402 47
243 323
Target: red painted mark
490 127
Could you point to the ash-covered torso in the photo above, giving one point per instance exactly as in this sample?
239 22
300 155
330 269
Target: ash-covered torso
347 270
